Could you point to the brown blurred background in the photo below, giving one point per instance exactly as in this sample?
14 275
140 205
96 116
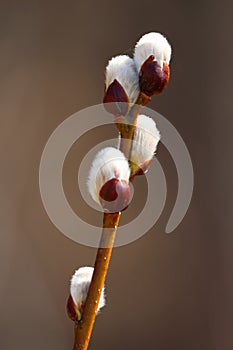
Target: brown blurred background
164 292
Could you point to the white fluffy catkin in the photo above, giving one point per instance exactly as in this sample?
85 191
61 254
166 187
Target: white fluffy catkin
109 163
152 44
146 139
123 69
79 286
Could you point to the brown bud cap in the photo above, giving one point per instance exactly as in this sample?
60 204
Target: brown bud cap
115 195
142 170
152 78
72 310
143 99
115 99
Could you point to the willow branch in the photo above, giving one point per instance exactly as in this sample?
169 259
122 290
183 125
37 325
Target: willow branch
83 328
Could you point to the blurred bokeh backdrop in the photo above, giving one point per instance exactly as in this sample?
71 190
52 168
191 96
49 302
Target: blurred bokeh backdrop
164 292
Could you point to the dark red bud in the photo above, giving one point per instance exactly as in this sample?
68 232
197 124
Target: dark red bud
115 195
72 309
152 78
115 99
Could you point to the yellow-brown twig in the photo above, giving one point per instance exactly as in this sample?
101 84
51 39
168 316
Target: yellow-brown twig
83 329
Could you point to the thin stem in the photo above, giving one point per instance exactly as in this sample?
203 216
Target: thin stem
127 128
84 328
